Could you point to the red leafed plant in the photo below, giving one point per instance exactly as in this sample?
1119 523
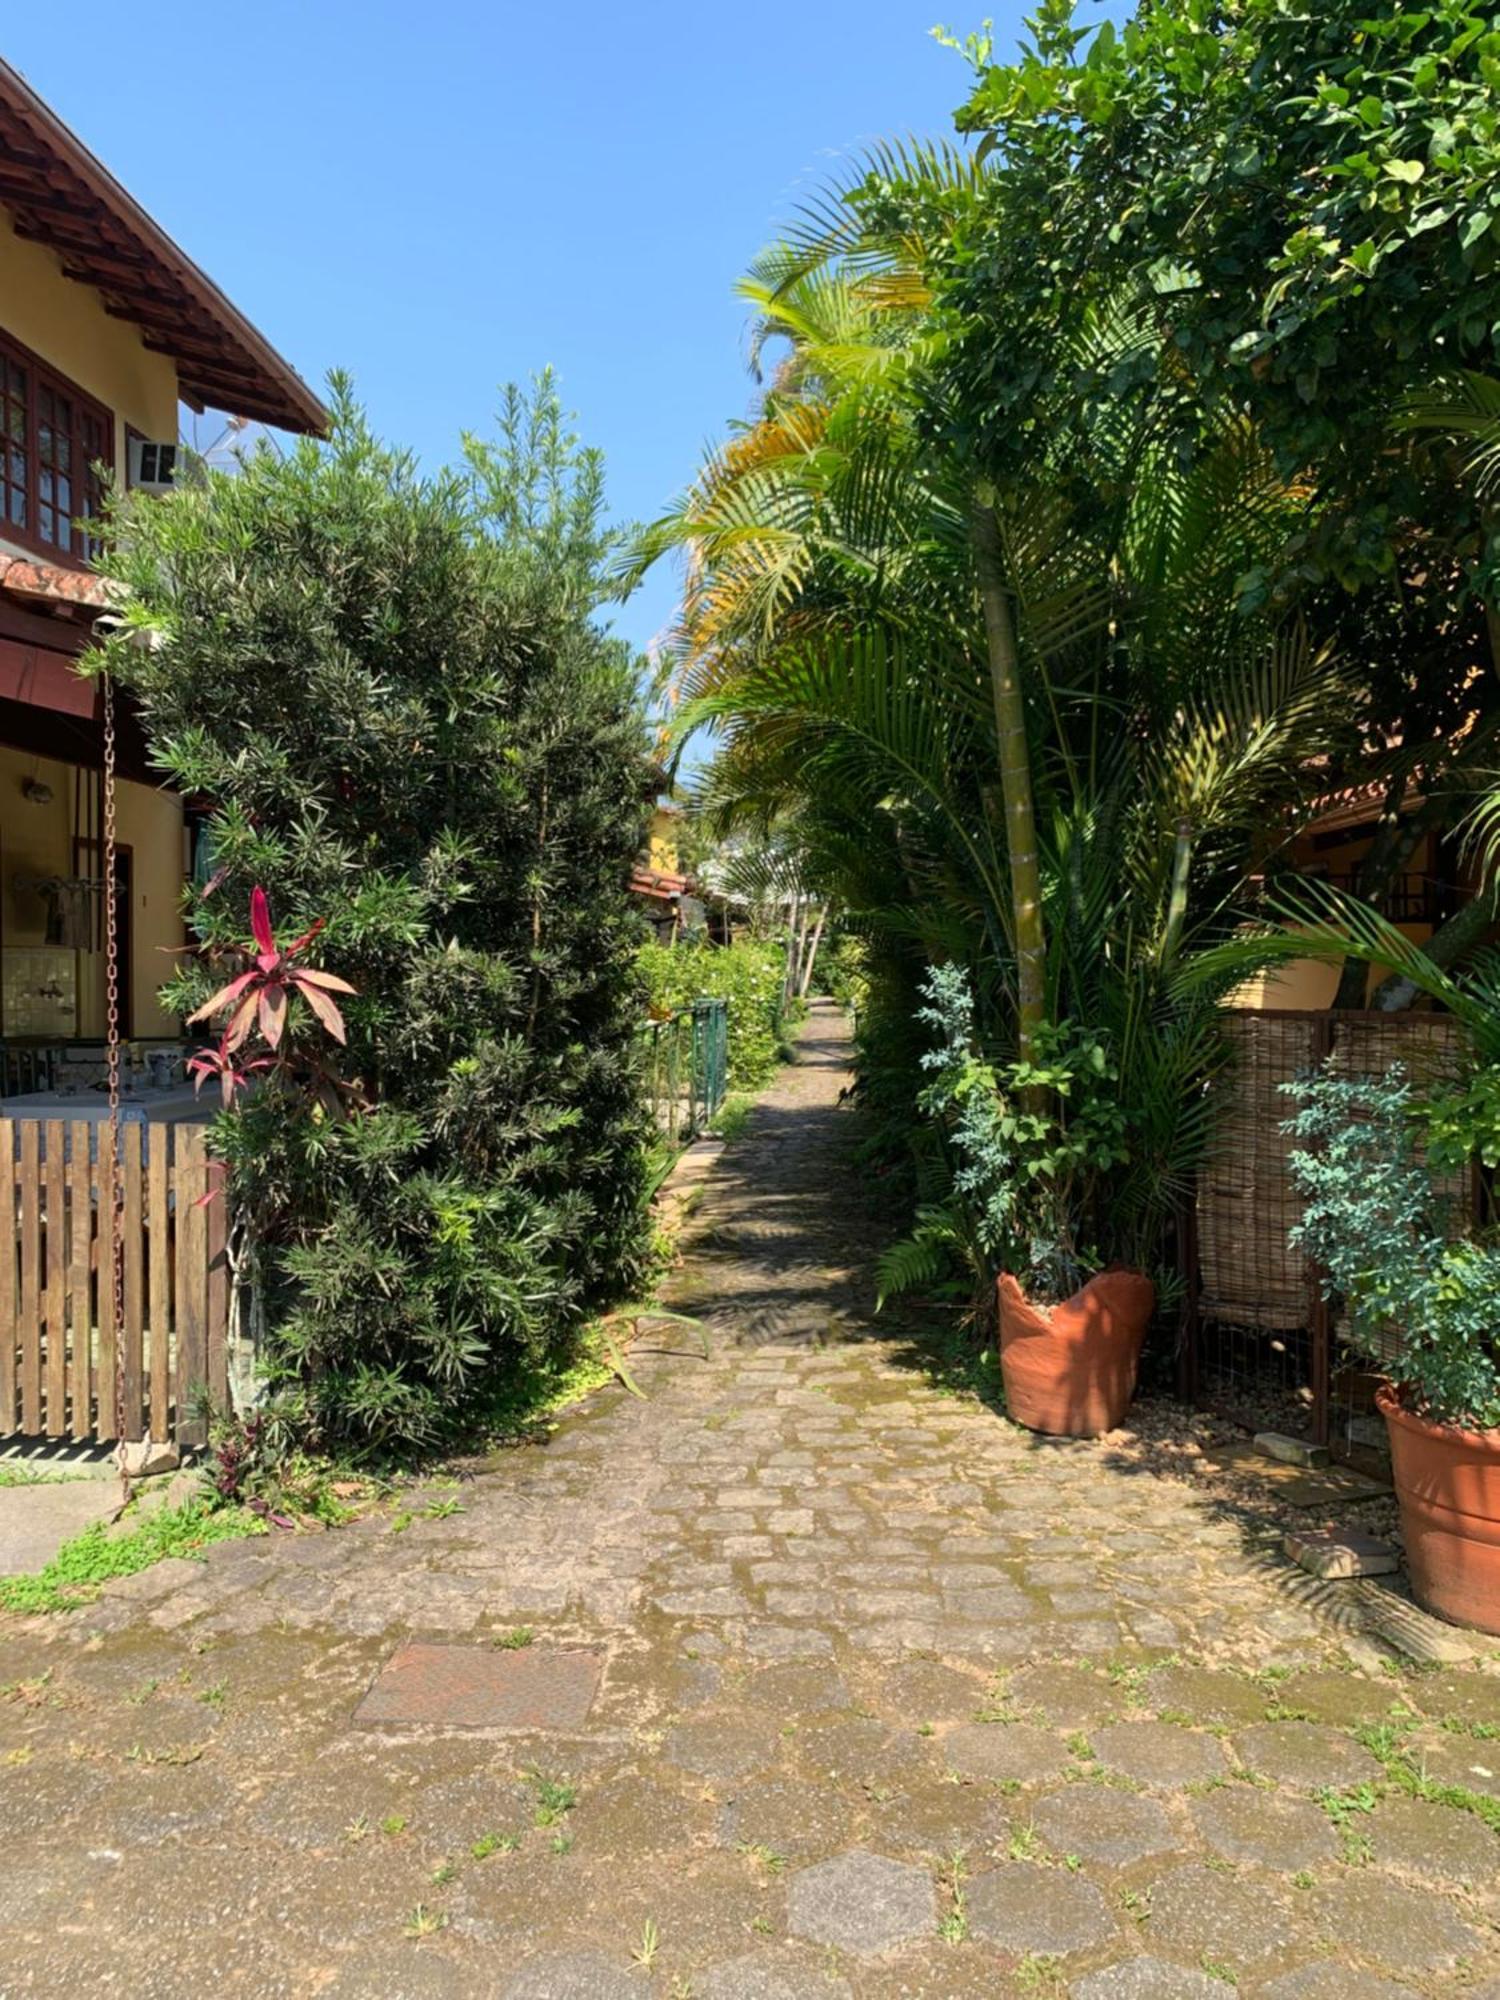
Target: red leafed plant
257 999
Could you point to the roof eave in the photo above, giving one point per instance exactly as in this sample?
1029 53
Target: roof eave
295 406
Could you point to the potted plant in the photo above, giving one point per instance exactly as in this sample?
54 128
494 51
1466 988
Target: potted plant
1420 1287
1034 1145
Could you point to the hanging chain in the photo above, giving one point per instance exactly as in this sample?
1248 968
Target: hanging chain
116 1191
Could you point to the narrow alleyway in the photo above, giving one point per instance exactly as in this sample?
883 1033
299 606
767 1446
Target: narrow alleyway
800 1678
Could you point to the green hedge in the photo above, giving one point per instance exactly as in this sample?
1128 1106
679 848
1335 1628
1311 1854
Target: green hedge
747 975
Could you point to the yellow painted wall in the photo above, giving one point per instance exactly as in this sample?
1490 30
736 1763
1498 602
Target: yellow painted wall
38 840
66 324
1312 983
662 841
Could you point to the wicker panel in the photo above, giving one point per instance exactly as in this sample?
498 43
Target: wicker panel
1250 1274
1251 1278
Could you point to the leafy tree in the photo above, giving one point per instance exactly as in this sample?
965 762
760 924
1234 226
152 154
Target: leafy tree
1312 191
1305 197
393 694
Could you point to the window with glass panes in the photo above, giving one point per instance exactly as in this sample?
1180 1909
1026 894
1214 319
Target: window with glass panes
53 439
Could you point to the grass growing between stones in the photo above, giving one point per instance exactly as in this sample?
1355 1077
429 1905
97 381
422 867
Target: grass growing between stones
1404 1775
733 1115
555 1799
522 1405
1040 1976
38 1475
91 1559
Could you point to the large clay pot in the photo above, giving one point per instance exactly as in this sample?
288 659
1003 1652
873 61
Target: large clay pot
1070 1371
1448 1484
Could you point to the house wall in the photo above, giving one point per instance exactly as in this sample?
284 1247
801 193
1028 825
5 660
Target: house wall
65 323
661 842
37 840
1312 982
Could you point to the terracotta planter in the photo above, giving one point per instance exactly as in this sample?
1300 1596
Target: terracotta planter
1448 1483
1071 1371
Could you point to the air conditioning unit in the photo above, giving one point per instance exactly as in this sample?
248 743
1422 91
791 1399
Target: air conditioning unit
153 466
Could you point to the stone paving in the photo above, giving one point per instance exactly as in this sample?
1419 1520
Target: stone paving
893 1700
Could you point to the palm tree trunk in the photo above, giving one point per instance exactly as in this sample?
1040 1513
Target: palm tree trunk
1464 932
1015 777
1177 905
793 952
805 977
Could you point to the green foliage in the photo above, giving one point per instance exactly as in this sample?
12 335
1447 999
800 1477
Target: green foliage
1307 190
90 1559
748 975
1420 1305
836 642
1035 1141
1295 206
1200 331
1462 1123
394 691
844 972
923 1260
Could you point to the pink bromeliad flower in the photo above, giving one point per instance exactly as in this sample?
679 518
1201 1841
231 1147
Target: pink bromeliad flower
259 997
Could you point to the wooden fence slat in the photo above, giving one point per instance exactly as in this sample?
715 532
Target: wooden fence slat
216 1216
133 1334
192 1288
105 1427
57 1279
80 1278
61 1339
159 1222
10 1402
31 1298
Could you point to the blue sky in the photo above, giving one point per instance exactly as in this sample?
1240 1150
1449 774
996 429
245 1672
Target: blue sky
444 197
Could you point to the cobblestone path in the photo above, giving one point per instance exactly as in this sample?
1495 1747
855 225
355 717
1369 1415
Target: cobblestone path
893 1700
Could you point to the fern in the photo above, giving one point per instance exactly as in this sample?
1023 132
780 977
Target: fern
919 1261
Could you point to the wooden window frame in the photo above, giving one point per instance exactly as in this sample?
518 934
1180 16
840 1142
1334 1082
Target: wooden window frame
40 376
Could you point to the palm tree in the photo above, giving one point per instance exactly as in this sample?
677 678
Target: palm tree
829 505
1027 728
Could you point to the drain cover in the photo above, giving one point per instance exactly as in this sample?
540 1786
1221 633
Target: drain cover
475 1687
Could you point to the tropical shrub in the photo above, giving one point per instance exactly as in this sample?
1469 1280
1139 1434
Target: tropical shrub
1033 1142
393 692
748 975
1422 1305
844 972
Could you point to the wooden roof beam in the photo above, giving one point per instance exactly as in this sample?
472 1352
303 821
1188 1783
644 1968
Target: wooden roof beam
70 202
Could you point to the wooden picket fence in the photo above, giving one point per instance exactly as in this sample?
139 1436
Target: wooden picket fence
60 1344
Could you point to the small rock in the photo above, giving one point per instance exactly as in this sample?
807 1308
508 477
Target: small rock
145 1458
1290 1450
1306 1756
1025 1908
1147 1979
861 1902
1341 1552
185 1486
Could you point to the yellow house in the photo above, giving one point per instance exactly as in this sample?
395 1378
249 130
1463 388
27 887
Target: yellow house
661 839
105 327
657 880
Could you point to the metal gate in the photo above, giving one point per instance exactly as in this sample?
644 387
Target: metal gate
685 1063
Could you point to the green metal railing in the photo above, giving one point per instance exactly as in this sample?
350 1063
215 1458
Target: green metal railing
685 1068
